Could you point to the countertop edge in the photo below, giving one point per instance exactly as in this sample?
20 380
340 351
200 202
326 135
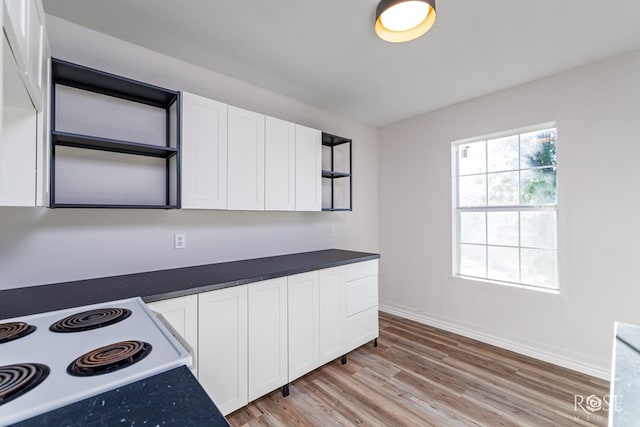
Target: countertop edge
159 285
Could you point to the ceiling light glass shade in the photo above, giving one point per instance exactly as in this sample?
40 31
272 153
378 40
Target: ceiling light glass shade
403 20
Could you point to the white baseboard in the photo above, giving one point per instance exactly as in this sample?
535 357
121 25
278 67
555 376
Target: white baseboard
499 342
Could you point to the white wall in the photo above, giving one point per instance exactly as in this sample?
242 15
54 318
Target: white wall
597 110
39 246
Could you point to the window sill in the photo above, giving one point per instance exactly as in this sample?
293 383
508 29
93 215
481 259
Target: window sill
553 291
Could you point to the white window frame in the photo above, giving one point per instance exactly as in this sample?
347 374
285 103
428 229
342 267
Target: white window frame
456 210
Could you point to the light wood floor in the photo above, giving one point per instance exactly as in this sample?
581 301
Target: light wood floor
422 376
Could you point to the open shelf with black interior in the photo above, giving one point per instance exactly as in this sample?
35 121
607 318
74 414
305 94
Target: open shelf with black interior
115 142
336 169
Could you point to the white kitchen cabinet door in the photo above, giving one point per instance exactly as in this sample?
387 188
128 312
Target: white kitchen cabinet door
182 314
24 28
245 173
35 40
304 323
18 138
16 28
308 169
267 336
43 149
361 328
361 294
331 291
280 165
222 341
204 153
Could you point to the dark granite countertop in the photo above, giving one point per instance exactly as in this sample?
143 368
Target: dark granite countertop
163 284
172 398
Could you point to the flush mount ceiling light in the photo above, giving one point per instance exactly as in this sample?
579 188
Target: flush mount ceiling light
403 20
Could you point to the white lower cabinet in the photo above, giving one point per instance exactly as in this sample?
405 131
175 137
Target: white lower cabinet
331 292
182 314
252 339
222 339
361 328
267 311
304 323
361 304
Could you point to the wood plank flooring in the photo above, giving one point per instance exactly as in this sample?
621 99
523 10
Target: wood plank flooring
422 376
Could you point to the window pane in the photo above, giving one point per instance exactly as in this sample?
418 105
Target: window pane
538 149
473 260
502 228
472 190
503 264
538 229
538 186
503 189
539 267
472 158
502 154
473 227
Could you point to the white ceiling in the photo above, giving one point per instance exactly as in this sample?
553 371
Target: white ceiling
325 53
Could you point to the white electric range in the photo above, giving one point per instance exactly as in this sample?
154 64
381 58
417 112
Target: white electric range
52 359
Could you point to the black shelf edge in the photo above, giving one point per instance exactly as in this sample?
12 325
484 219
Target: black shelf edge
336 209
80 77
67 139
334 174
108 206
330 140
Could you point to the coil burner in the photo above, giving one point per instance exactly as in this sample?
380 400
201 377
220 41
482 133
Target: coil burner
16 380
109 358
14 330
91 319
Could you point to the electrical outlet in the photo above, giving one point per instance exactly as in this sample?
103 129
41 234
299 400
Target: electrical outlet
180 241
332 231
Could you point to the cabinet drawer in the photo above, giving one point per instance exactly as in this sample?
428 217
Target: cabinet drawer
361 294
361 328
362 269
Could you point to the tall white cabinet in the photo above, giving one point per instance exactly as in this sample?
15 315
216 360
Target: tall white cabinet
222 339
245 179
204 153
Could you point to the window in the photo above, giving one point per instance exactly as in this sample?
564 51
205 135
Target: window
505 209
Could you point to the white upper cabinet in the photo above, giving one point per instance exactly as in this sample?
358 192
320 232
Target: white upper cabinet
280 165
308 169
245 173
204 153
24 28
35 64
18 140
16 28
